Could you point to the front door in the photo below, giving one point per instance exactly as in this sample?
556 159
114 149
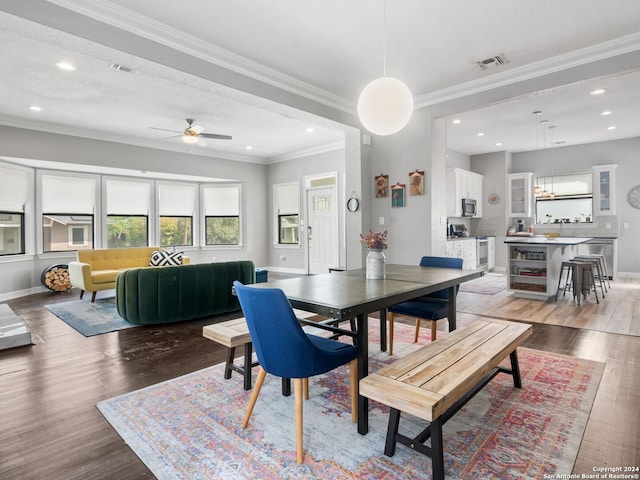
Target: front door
322 229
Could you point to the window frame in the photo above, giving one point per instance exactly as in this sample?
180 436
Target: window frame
285 207
206 209
21 228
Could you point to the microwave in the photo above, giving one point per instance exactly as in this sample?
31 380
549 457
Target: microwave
468 207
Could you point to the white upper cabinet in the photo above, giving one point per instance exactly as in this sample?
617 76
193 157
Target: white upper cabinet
604 191
520 194
463 184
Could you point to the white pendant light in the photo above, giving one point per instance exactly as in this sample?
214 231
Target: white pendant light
385 105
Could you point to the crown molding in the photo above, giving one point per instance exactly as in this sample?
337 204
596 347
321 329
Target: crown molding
583 56
116 16
330 147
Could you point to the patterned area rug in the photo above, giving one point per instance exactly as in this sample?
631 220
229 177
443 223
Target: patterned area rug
90 318
489 284
189 427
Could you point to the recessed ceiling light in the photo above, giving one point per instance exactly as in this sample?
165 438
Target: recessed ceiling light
606 112
480 134
597 91
456 121
499 144
35 108
310 130
611 127
249 147
66 66
544 121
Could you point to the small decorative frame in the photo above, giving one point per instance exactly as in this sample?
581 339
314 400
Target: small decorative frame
493 199
397 195
416 182
382 186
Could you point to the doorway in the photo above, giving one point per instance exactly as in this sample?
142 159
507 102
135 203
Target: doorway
322 227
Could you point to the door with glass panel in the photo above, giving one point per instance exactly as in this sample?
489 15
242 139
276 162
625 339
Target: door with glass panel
322 229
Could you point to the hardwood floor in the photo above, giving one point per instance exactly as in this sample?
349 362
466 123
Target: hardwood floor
51 428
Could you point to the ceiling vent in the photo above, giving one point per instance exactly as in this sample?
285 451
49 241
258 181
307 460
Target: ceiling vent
122 68
496 61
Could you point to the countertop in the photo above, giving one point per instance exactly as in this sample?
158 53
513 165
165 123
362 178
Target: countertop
470 237
542 240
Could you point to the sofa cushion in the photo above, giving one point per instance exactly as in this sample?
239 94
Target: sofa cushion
163 258
104 276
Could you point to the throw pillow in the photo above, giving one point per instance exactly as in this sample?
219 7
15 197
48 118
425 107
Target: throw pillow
162 258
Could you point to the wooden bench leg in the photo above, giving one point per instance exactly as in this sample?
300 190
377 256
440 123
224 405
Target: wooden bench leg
248 352
437 451
392 430
231 352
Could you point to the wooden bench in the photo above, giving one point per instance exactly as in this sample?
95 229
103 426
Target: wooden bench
434 382
233 333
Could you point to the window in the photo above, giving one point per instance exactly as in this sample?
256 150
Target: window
68 206
221 214
177 204
128 205
14 194
286 205
573 200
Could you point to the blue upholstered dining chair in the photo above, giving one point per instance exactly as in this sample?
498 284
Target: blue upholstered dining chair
286 351
432 307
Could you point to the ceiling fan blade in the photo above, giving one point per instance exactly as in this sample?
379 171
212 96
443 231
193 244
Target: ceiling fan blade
197 128
165 130
215 135
172 136
201 142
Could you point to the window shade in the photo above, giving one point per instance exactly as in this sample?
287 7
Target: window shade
176 200
128 198
66 194
14 189
287 199
221 201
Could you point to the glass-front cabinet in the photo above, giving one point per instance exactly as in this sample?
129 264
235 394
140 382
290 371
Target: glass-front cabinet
519 191
604 195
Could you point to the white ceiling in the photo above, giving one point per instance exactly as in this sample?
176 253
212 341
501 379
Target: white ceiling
326 50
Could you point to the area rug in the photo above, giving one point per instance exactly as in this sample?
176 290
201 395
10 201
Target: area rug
190 427
90 319
489 284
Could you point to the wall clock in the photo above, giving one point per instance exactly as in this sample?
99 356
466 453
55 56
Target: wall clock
634 197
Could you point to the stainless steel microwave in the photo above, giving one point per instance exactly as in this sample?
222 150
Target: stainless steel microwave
468 207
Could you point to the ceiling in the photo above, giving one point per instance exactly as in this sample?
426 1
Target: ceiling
325 50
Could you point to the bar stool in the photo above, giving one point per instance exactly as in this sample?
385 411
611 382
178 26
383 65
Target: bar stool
598 270
575 285
587 278
603 266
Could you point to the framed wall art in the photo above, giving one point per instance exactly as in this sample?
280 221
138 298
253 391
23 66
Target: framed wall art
382 185
416 183
397 195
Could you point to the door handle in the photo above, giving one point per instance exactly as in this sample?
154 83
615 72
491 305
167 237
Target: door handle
309 232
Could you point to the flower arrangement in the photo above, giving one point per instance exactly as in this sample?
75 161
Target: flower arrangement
374 240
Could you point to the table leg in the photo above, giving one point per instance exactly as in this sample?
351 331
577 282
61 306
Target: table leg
383 330
363 371
452 309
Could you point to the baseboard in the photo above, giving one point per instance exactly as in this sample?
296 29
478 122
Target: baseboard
299 271
627 275
21 293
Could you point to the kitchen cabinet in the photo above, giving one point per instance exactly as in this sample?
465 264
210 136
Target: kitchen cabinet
604 194
491 263
464 248
519 194
463 184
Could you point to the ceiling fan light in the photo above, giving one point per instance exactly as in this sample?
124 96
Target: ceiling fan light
190 138
385 106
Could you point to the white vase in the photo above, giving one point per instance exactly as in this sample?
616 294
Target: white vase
375 264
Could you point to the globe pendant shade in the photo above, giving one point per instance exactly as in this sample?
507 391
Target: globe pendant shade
385 106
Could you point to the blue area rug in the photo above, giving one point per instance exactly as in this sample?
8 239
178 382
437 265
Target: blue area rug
90 318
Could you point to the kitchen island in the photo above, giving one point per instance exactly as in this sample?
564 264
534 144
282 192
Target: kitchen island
534 263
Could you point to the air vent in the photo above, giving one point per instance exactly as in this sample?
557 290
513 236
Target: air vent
496 61
122 68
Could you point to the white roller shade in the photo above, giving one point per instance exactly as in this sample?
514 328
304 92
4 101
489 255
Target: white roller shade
221 201
287 199
14 189
128 198
177 200
66 194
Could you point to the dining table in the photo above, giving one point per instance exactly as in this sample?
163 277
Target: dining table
350 294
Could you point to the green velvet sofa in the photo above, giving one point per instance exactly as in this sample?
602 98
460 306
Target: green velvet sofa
147 296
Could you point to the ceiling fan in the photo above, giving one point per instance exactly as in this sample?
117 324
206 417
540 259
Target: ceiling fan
194 134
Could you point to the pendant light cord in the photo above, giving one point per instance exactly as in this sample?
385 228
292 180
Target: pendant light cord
384 38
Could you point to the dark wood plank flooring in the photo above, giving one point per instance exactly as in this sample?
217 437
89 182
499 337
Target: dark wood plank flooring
51 429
